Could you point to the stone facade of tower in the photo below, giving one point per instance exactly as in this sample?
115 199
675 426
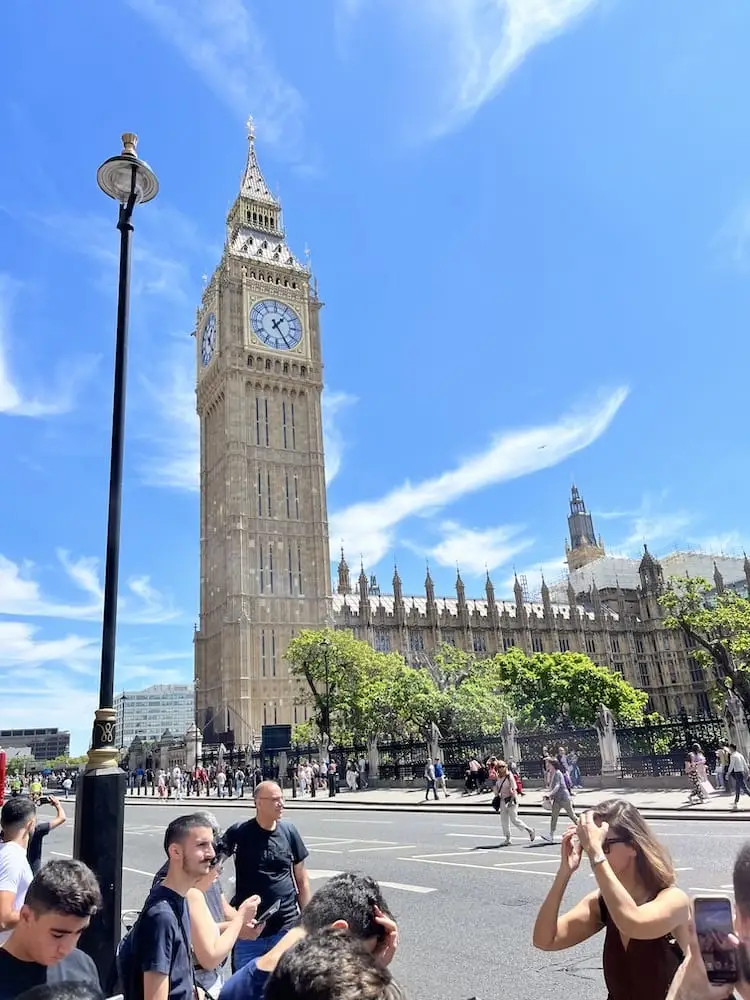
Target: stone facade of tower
263 524
584 547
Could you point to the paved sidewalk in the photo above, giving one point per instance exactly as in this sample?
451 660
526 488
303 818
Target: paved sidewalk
656 803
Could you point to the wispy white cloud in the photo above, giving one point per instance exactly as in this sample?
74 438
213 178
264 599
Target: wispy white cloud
369 526
475 44
20 647
475 550
21 594
223 42
18 402
732 242
334 404
174 461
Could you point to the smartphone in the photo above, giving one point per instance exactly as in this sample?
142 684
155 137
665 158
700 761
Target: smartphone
44 800
713 925
270 911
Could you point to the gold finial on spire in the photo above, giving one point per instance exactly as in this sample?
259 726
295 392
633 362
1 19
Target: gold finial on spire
129 142
250 126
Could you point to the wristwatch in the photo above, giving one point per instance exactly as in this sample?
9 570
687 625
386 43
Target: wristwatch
598 858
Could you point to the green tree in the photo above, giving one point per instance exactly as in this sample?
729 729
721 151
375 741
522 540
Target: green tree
717 628
474 696
19 765
369 693
539 687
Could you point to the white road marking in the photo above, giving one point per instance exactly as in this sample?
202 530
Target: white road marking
392 847
450 854
698 888
495 829
335 843
364 822
406 887
683 869
470 826
324 850
484 868
135 871
528 861
316 873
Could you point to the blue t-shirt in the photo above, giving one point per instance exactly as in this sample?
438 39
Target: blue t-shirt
247 983
438 770
163 941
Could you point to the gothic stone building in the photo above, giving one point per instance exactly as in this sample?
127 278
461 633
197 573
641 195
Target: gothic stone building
618 627
264 552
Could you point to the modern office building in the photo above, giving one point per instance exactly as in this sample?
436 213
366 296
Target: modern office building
150 712
45 744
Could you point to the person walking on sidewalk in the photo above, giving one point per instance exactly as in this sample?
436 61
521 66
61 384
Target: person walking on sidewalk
738 770
440 777
507 789
429 777
559 796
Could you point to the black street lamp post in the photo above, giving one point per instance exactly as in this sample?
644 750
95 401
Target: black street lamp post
100 793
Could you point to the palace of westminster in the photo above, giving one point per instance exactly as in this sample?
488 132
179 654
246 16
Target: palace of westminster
264 549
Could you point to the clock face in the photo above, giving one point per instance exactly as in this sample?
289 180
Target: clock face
276 324
208 339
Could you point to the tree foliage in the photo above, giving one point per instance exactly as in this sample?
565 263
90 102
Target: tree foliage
374 694
717 627
546 687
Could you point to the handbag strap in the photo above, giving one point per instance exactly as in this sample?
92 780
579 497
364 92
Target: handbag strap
186 941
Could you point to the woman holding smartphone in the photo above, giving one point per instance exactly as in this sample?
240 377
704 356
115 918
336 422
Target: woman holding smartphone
636 902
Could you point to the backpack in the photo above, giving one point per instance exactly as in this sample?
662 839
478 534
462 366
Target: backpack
129 974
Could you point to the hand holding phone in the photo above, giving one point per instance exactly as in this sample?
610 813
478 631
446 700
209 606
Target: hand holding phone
270 911
714 927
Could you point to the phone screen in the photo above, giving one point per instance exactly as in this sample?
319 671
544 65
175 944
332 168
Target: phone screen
713 925
269 911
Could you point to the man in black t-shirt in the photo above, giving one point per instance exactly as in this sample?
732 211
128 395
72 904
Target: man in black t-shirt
59 905
42 828
269 861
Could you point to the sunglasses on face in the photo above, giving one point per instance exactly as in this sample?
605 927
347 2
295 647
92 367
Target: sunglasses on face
611 841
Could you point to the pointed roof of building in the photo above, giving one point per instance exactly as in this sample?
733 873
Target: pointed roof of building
253 182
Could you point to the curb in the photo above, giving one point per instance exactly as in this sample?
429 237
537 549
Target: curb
481 808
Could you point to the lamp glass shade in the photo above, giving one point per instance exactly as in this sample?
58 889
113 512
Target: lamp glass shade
115 177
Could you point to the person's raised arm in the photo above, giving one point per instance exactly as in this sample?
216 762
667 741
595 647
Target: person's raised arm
663 915
553 932
210 947
60 818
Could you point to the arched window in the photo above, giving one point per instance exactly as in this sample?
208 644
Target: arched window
303 371
286 368
250 361
268 364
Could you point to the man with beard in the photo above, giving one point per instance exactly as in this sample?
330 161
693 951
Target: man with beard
158 948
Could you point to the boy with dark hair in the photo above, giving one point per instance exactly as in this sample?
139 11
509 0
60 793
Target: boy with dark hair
17 821
59 905
155 960
330 965
347 902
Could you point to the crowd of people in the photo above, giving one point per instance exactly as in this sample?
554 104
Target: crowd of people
276 939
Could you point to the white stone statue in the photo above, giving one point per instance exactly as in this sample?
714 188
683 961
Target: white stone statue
373 757
608 745
509 734
736 722
433 742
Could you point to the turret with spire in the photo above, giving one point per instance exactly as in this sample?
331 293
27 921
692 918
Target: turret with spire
572 602
429 589
398 598
546 602
718 580
489 589
345 586
255 229
584 547
519 597
364 596
747 572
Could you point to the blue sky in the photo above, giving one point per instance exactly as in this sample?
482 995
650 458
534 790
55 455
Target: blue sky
530 222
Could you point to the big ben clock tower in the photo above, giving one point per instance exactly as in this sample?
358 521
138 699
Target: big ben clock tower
264 534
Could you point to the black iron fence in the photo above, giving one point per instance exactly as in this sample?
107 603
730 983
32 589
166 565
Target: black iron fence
653 750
